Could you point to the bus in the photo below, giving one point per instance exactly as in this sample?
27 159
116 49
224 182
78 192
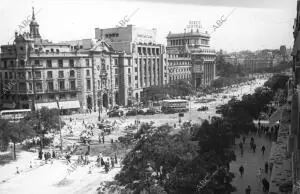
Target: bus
14 114
174 106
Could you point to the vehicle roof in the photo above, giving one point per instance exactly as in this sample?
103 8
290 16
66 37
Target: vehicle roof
175 100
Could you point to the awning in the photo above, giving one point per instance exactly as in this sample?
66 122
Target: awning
9 106
62 105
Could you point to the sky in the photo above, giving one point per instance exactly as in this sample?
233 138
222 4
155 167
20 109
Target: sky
250 25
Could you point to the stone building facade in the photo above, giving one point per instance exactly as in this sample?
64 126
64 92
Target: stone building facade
191 57
142 62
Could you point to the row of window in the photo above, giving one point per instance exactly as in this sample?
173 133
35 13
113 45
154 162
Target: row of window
48 63
179 77
149 51
180 42
177 70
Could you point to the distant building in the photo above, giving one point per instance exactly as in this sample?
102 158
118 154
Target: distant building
190 57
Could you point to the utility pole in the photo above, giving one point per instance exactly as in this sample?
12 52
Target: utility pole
59 122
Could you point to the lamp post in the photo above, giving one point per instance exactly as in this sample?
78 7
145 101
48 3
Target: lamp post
148 173
59 123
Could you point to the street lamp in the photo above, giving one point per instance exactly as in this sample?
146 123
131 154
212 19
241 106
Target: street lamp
59 122
148 173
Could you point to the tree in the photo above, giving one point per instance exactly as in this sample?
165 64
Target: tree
16 132
43 121
179 160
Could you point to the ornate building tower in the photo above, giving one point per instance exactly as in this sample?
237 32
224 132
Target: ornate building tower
34 28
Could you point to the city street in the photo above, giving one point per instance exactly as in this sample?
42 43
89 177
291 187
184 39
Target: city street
251 162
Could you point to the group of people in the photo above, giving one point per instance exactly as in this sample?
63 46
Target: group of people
267 167
252 146
270 132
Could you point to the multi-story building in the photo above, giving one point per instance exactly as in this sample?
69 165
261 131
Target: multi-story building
79 74
142 63
191 51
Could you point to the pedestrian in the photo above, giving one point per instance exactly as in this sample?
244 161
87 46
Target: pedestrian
266 167
248 190
244 139
241 145
259 175
53 154
116 159
106 167
254 147
112 162
266 185
40 154
103 138
241 169
263 149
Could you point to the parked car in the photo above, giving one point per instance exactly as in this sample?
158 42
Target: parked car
203 108
115 113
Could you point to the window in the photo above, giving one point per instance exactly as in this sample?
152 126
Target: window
88 84
22 63
49 63
71 63
12 63
72 73
116 62
129 62
50 86
136 77
87 62
29 75
5 64
72 85
60 74
36 62
38 74
129 80
10 75
73 95
87 72
62 85
136 69
116 82
129 70
52 96
39 87
49 74
60 63
116 71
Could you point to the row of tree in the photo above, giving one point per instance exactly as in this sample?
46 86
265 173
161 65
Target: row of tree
173 89
35 124
181 161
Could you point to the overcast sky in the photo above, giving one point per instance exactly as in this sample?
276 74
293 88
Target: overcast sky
253 24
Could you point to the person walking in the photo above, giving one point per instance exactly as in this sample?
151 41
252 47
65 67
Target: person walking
241 169
259 175
266 167
248 190
263 150
254 148
244 139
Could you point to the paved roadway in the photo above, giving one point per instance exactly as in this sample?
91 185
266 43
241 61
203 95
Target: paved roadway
251 162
